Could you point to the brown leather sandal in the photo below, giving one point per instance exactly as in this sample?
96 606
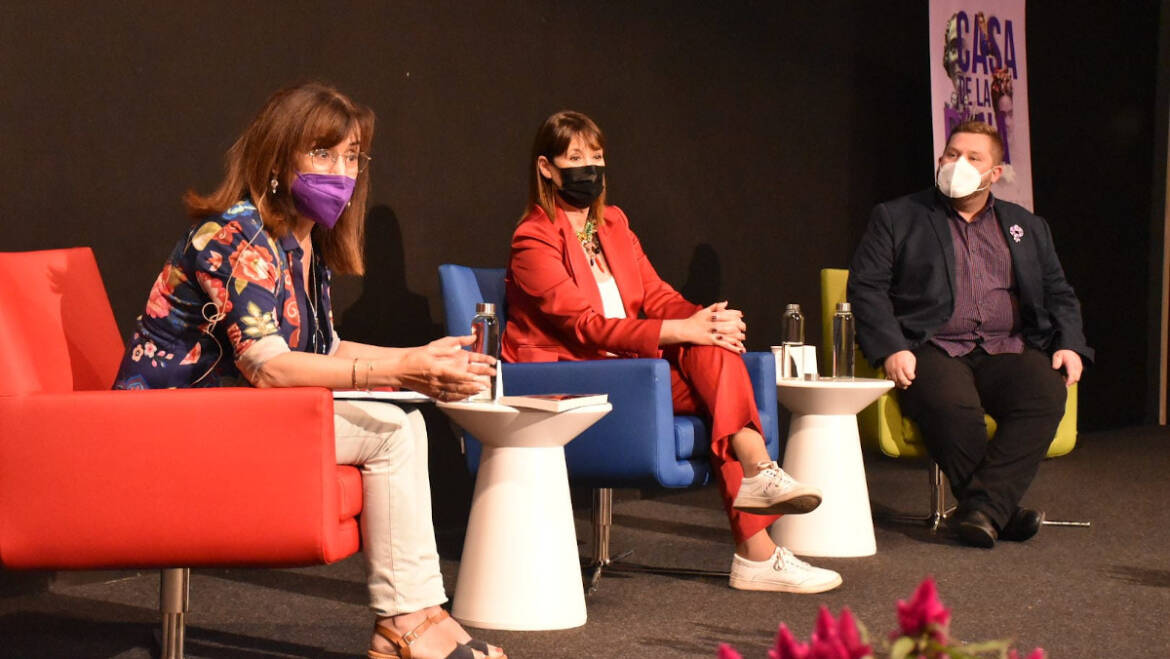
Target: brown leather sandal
403 642
475 644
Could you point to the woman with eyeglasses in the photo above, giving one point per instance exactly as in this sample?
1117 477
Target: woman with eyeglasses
580 287
243 300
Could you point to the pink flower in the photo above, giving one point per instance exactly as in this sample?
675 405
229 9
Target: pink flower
850 636
837 639
924 628
825 628
828 650
787 647
924 614
825 642
831 639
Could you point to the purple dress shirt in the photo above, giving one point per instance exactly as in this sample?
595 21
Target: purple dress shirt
987 309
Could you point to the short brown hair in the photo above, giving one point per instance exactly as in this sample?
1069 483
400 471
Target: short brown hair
293 121
552 140
980 128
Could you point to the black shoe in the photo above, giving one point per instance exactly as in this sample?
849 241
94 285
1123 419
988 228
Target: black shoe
1024 524
977 529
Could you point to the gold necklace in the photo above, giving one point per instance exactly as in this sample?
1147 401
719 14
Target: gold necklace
589 241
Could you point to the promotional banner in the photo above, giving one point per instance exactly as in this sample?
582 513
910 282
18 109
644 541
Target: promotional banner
978 71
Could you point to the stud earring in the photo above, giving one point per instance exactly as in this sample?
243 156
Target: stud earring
348 204
273 184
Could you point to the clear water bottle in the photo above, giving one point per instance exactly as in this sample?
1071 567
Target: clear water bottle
486 328
792 326
844 333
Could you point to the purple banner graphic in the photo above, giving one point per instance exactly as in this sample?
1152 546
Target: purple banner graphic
978 71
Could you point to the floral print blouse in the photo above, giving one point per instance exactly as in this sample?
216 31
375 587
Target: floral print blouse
229 298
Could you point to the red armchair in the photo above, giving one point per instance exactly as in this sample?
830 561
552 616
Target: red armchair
92 478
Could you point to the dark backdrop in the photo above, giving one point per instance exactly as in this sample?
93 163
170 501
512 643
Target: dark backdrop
747 141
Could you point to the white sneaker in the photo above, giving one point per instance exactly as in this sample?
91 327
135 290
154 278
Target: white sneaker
773 492
783 573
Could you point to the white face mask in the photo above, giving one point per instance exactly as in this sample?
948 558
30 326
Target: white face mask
959 178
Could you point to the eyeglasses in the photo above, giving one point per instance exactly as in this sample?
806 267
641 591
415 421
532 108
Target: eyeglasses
324 160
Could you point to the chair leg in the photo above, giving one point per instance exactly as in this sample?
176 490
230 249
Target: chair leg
1065 522
602 524
938 498
174 586
602 560
939 511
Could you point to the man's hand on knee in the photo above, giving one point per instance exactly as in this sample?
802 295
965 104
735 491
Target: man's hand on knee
901 365
1071 362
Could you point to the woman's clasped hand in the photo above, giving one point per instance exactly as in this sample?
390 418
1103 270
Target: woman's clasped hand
713 325
717 325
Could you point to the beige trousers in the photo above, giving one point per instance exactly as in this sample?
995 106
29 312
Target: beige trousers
389 444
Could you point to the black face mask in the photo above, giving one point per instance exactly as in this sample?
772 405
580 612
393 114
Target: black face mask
581 186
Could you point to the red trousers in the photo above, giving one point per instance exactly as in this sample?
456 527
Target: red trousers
713 382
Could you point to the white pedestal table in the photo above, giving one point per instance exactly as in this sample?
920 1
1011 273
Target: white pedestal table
520 568
824 450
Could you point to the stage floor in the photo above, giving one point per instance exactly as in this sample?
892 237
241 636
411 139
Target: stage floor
1076 592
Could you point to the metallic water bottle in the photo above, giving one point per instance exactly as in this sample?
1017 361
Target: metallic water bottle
486 328
844 334
792 326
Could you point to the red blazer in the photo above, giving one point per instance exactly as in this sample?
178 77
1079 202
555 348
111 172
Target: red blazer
554 306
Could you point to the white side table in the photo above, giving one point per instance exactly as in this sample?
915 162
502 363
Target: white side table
824 450
520 569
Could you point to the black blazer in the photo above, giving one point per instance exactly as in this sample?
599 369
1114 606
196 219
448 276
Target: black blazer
901 280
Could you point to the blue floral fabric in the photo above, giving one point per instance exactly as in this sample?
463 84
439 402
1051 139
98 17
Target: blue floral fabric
227 285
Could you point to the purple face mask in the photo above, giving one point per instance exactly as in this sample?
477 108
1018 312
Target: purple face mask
322 197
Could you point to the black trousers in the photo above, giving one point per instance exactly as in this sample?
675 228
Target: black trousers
948 399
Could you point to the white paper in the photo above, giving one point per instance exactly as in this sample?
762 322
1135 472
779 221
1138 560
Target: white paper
389 396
